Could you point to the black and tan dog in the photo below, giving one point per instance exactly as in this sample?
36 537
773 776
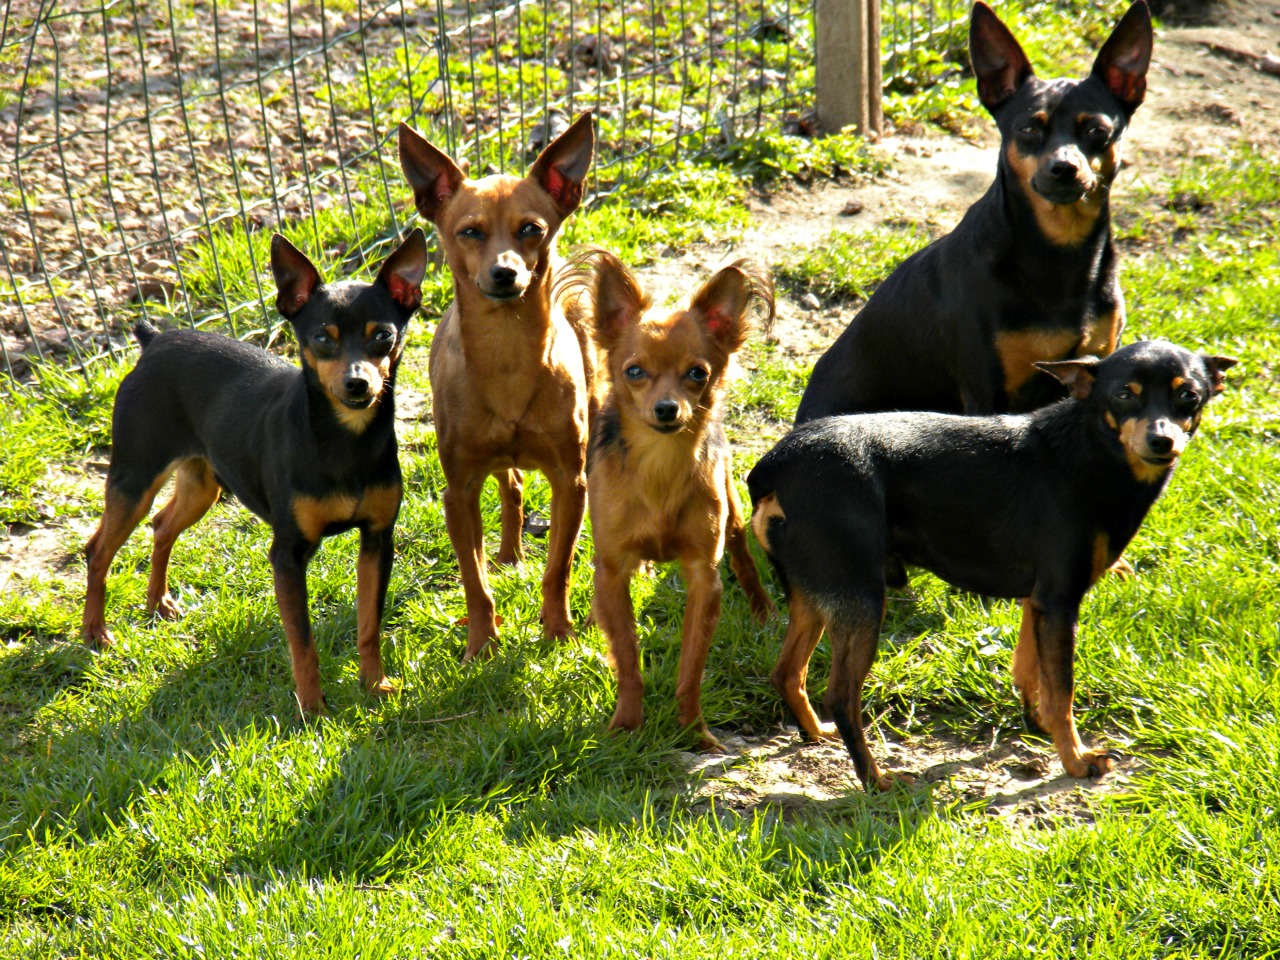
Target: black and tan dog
1033 506
311 451
1030 272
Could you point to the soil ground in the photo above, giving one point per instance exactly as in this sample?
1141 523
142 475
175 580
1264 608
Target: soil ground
1205 96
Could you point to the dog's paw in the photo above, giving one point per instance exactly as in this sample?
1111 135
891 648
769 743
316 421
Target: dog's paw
627 717
556 626
166 608
1092 764
1122 569
381 687
886 781
96 636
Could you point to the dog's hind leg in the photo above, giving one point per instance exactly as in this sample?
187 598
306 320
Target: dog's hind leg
194 491
122 513
804 631
855 631
568 504
511 493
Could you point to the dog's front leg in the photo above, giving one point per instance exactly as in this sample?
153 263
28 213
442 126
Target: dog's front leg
373 574
1055 631
568 504
466 534
289 557
701 614
612 608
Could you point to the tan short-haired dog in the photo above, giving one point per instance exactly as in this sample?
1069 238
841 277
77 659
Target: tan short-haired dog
659 476
510 374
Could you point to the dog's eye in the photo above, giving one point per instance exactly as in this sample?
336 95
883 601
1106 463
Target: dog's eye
322 338
634 372
1188 398
1096 131
1029 130
697 375
530 231
383 336
471 233
1124 396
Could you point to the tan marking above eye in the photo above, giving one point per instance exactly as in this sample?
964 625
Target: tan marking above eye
1176 382
1134 388
332 331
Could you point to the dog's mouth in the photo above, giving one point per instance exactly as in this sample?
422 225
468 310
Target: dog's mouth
1168 460
667 427
501 296
358 403
1060 194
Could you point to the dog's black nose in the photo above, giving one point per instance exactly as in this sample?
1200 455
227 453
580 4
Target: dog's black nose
1160 445
666 410
1062 169
356 386
503 276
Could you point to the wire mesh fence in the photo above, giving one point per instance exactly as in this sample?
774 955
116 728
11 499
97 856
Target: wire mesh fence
153 147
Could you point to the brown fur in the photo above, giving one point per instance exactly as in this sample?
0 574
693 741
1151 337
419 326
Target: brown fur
660 483
511 379
1067 225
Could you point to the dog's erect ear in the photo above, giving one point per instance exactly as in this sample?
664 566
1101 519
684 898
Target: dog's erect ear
561 169
1076 375
433 177
1123 60
732 299
618 300
402 272
296 278
1217 366
999 65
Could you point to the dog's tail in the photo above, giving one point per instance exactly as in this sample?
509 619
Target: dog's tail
144 333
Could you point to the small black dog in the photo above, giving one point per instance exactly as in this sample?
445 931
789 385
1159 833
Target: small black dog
311 451
1029 274
1034 506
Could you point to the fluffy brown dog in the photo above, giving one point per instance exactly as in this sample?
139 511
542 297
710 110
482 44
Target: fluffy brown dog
659 475
510 374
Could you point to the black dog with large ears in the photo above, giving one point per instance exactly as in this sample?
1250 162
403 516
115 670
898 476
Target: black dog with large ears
311 451
1030 272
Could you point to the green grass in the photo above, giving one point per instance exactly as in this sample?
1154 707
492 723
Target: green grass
164 798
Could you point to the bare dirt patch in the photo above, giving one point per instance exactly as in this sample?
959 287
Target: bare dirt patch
1017 780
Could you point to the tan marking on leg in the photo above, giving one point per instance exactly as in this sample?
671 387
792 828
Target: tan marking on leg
369 625
1026 664
379 506
119 519
791 673
195 490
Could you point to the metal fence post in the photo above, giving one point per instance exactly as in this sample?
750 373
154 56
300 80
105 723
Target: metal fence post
848 65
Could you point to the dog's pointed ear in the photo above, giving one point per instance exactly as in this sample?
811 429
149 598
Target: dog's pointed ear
1076 375
618 300
433 177
1122 62
999 65
296 277
732 299
403 271
561 169
1217 367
